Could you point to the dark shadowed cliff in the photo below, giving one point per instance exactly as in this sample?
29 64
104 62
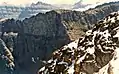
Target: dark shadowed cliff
34 39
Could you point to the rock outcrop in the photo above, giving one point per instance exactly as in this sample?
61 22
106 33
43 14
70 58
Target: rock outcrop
6 59
78 22
96 53
33 40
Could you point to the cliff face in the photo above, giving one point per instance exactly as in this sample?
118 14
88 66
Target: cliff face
91 16
77 22
96 53
6 59
33 40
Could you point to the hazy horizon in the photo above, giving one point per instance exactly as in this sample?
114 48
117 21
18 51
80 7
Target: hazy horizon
24 2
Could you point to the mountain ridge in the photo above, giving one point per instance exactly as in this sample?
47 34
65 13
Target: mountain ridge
90 53
33 9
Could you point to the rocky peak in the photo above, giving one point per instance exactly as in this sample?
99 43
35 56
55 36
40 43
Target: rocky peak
91 54
33 39
40 3
80 5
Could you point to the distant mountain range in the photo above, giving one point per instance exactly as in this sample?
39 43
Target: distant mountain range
79 5
21 12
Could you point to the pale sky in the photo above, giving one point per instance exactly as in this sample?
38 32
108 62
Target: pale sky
18 2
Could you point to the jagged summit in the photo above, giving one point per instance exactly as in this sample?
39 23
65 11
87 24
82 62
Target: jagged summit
40 3
93 54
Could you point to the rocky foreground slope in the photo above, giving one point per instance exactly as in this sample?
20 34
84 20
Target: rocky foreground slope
96 53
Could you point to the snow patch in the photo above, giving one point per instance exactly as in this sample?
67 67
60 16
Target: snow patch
71 69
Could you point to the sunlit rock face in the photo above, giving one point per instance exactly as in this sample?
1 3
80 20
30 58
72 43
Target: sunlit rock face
96 53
